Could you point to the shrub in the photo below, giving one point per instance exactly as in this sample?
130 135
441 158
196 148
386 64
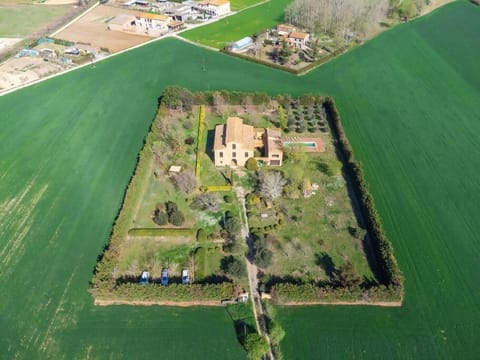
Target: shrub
251 164
256 346
160 217
232 223
233 266
171 207
202 236
176 218
228 198
252 199
263 257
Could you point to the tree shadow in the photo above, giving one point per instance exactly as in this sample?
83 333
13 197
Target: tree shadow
214 279
325 261
210 143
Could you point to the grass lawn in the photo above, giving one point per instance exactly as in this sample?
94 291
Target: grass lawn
69 147
236 5
22 20
235 27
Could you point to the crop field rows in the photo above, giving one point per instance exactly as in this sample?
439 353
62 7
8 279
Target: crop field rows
409 103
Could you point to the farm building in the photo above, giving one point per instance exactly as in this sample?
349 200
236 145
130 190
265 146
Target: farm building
233 143
122 23
213 8
298 39
236 142
285 29
242 44
152 24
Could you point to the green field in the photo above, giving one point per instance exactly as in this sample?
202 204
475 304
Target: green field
22 20
236 5
409 102
235 27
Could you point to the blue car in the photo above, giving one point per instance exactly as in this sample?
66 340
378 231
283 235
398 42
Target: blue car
164 278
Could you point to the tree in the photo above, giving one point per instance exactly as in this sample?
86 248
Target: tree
256 346
271 184
160 217
176 218
232 266
275 332
251 164
346 276
171 207
232 223
177 98
285 52
206 201
263 257
185 181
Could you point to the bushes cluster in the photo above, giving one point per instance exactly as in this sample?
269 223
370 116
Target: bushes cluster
311 292
389 274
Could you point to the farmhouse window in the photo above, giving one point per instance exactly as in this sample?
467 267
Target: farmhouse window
234 154
234 146
221 153
246 154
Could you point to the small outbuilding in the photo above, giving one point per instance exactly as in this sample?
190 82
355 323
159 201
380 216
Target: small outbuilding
242 44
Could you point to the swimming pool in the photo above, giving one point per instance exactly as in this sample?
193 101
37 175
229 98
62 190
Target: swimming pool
307 144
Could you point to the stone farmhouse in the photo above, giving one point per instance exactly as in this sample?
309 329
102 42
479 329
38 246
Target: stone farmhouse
236 142
214 8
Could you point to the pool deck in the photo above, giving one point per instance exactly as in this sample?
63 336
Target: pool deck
296 139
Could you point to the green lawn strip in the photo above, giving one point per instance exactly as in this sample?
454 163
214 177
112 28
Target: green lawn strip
236 5
235 27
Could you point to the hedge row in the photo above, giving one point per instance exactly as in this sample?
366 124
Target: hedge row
390 274
219 188
288 292
162 232
103 276
172 292
201 126
301 71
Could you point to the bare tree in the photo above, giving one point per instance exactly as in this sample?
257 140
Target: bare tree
185 181
343 19
206 201
271 184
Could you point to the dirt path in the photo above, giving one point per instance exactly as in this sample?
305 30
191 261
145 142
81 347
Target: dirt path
99 302
252 271
343 303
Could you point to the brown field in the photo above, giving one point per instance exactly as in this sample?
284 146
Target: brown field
92 29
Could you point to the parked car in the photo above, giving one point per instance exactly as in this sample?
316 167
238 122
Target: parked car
164 278
185 277
144 277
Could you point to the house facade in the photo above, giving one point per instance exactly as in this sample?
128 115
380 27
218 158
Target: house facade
152 24
236 142
214 8
233 143
298 40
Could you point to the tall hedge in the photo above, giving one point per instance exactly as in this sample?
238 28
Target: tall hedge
390 274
